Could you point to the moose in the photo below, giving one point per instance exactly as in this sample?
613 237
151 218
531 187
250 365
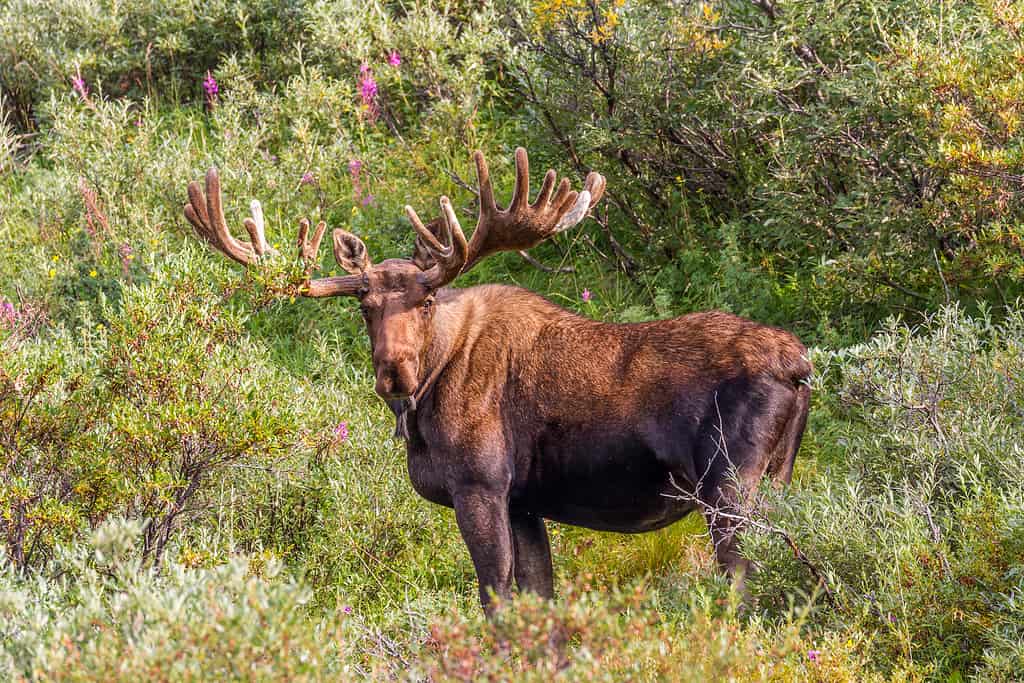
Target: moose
515 411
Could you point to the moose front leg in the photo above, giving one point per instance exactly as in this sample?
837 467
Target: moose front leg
532 555
483 518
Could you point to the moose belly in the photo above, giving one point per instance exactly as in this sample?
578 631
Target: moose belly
616 485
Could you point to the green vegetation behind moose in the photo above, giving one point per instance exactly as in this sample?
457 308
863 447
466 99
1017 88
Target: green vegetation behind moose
198 481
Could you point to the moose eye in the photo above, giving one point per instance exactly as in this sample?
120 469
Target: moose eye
427 303
365 310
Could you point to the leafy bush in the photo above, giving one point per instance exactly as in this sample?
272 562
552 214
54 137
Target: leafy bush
138 48
917 528
866 155
106 616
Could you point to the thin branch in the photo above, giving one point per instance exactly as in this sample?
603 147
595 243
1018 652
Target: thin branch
547 269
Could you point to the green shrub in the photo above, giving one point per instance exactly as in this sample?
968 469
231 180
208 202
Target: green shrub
868 153
915 525
104 616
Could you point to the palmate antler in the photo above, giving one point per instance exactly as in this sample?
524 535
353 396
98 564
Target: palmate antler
206 215
442 252
521 226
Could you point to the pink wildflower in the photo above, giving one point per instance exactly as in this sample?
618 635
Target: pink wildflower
394 59
368 91
8 314
813 655
210 85
341 432
586 295
369 200
308 178
78 84
347 609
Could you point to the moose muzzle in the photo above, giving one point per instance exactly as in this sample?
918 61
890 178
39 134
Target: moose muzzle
396 376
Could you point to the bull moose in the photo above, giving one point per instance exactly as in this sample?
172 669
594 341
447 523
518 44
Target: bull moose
515 411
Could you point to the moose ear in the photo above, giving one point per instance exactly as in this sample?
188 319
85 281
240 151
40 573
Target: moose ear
350 252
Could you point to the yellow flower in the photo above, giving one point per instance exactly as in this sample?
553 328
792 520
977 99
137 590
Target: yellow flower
92 273
709 13
355 210
53 273
55 258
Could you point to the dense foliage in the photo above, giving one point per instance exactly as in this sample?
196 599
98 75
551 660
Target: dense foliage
197 481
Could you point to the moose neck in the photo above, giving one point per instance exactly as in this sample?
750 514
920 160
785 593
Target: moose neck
449 327
452 321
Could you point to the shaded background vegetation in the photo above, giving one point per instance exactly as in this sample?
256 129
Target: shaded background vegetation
198 479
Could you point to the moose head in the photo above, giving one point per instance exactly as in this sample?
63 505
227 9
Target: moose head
396 296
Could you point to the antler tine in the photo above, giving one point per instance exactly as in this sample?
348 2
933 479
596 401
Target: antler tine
449 255
521 191
488 207
429 240
255 227
240 251
206 215
310 249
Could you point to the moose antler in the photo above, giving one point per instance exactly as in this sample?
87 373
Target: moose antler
448 254
524 225
206 215
521 226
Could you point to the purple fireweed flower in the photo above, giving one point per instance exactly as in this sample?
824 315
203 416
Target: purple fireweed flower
586 295
8 314
369 200
210 85
78 85
341 432
308 178
367 89
394 59
813 655
347 609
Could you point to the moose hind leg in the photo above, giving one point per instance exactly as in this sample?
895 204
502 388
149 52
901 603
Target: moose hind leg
737 448
483 520
784 457
532 561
